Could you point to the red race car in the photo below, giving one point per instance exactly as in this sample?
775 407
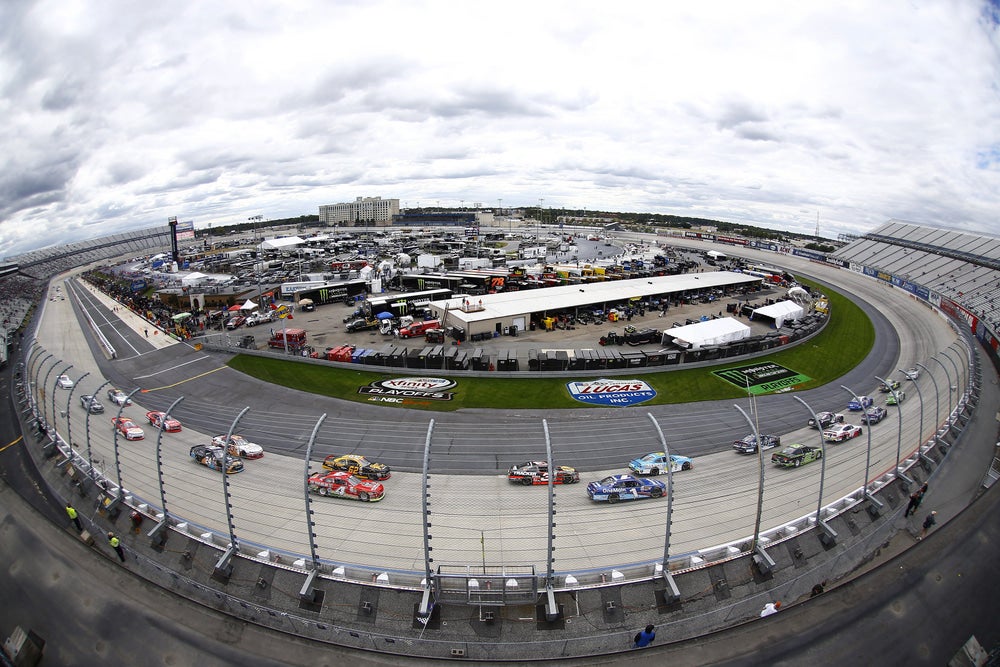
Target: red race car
127 428
340 484
171 425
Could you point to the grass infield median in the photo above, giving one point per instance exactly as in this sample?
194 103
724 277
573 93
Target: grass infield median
845 341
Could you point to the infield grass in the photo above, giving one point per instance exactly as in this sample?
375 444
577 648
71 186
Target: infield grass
846 340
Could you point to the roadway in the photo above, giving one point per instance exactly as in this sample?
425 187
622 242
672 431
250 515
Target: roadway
479 512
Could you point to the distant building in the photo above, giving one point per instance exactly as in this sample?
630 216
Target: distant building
362 212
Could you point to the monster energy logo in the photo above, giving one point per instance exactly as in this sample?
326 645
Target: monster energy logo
762 378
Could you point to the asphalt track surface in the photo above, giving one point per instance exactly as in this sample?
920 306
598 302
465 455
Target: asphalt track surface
714 503
185 635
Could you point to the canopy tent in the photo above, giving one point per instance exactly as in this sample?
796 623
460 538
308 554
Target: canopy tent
305 302
233 308
780 312
180 317
249 305
282 243
193 278
709 332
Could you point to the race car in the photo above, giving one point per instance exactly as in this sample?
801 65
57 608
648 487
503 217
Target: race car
625 487
859 403
537 472
873 415
216 458
841 432
171 425
357 465
656 462
912 373
118 397
127 428
748 444
340 484
826 419
895 399
92 404
795 455
64 382
239 446
886 387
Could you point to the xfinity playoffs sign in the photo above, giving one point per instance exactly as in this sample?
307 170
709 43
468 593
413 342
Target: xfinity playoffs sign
398 390
614 393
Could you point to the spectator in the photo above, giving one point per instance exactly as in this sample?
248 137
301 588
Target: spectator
915 499
770 608
645 637
928 524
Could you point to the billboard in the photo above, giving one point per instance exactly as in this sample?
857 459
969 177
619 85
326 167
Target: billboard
185 230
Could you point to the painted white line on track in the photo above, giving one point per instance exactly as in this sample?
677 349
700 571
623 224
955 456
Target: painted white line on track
193 361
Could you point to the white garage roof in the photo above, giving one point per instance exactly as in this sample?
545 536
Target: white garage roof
506 305
780 312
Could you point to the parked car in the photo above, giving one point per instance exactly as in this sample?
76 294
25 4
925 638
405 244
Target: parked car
795 455
748 444
889 385
873 415
91 403
157 419
537 472
216 458
119 397
340 484
896 398
361 324
826 419
859 403
64 382
656 462
625 487
127 428
841 432
239 446
358 466
235 322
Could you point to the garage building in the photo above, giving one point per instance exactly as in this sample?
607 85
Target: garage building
505 312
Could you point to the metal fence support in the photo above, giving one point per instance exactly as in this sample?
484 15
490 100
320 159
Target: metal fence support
224 566
875 504
551 608
906 481
827 535
673 594
307 593
158 534
764 562
426 604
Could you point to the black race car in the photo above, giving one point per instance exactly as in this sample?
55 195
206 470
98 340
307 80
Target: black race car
537 472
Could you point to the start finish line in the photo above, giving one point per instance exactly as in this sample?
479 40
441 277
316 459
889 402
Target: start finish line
762 378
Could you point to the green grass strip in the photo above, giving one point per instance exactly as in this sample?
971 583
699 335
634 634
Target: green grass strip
845 341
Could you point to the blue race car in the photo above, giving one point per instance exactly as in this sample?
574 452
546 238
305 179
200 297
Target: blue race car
859 403
625 487
656 462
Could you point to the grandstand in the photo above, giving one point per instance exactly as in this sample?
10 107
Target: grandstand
936 264
23 278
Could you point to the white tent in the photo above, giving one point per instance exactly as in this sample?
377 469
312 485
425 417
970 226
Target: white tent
780 312
249 305
709 332
193 278
282 243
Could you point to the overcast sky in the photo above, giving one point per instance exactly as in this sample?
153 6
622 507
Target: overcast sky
116 115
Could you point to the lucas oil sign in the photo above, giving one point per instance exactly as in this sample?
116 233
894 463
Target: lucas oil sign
400 390
614 393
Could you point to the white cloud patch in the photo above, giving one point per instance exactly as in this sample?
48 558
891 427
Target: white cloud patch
116 116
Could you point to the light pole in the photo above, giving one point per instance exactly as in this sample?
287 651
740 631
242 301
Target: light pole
828 536
259 264
899 434
876 503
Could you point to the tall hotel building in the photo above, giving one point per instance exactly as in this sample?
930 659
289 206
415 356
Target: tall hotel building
362 212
